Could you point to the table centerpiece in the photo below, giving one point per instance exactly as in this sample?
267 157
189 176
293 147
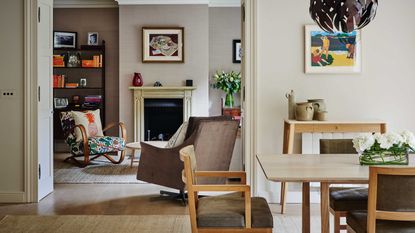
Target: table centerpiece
384 149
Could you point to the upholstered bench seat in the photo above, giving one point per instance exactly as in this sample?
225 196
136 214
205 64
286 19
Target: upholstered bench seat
357 220
99 145
229 211
346 199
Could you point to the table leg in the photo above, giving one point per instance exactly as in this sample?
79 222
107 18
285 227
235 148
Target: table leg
325 214
288 148
132 158
306 208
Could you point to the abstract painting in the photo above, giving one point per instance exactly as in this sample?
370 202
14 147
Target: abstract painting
163 44
336 52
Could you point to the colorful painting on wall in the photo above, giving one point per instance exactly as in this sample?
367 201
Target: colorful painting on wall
332 52
163 44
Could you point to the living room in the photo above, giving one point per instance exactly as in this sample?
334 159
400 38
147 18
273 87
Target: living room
333 92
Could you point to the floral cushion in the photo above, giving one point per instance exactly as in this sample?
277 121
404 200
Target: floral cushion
99 145
67 123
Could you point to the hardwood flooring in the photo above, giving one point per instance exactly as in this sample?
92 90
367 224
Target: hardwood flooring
134 199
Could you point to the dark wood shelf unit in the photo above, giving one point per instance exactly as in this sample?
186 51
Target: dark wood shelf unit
74 74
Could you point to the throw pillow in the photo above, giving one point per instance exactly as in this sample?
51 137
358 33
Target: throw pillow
91 120
178 137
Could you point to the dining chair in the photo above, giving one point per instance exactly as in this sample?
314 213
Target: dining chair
225 213
391 205
343 199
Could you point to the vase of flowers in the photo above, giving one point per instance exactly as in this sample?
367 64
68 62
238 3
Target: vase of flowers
230 83
384 149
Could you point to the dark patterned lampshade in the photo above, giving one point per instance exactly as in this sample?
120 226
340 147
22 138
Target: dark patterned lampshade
343 15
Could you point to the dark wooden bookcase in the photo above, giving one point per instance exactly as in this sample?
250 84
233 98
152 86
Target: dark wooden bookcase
95 77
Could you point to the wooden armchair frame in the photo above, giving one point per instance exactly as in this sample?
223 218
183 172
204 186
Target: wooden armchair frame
86 152
373 214
189 176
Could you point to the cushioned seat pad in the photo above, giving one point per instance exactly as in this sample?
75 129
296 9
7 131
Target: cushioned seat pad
99 145
347 199
357 220
229 211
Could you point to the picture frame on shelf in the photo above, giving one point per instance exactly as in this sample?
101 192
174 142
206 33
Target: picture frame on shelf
93 38
237 51
332 53
59 103
163 44
65 40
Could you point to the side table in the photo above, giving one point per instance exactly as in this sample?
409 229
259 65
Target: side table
133 146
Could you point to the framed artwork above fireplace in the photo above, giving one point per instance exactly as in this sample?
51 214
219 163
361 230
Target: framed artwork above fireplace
163 44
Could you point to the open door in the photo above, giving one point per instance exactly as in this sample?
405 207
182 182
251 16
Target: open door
45 102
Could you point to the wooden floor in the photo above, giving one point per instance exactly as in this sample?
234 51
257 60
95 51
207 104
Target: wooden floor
133 199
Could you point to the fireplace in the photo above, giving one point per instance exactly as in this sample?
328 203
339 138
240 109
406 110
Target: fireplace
164 104
162 117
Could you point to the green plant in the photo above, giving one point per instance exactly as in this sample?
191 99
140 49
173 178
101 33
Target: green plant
230 82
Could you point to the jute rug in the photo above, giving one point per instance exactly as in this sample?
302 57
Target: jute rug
100 171
96 224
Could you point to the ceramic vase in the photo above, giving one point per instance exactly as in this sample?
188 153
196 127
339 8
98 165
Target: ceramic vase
137 80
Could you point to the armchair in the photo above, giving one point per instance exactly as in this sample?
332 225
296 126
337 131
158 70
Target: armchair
93 147
214 140
223 213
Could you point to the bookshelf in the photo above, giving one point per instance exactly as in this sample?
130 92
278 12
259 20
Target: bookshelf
67 83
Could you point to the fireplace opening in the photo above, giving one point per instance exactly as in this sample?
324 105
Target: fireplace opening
162 118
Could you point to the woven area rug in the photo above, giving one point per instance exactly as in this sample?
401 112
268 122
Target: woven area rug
96 224
100 171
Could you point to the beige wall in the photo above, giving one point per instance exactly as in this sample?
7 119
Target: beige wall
384 90
11 110
195 20
105 22
224 27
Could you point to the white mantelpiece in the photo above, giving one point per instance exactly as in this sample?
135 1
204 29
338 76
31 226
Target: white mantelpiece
141 93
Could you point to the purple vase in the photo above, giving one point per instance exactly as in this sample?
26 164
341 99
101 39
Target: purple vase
137 80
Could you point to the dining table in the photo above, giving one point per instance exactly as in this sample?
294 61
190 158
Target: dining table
325 169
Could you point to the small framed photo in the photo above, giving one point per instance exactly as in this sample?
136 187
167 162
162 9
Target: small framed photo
237 51
92 38
163 44
60 102
64 40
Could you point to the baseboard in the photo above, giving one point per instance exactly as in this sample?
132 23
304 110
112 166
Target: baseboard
12 197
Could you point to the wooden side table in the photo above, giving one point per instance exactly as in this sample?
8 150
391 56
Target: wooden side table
133 146
291 127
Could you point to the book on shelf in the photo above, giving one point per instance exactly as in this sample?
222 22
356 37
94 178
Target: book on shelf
58 61
71 85
58 81
96 62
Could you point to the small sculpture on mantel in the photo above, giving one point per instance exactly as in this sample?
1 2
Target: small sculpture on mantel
158 84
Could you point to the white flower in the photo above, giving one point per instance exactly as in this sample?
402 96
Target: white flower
408 138
387 140
363 142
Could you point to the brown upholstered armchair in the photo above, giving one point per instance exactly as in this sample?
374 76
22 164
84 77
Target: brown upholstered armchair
214 140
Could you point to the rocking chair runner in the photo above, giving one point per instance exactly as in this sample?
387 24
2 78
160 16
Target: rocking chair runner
93 147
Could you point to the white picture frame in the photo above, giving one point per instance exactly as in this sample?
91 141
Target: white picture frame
341 61
93 38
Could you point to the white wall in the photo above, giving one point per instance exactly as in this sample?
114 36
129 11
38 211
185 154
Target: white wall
195 20
11 110
384 90
224 27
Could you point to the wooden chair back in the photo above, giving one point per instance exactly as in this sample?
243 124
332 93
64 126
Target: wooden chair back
391 195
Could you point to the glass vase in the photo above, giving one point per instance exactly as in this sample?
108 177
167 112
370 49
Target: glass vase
383 158
229 100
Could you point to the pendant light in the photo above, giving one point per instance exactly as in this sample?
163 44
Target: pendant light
343 15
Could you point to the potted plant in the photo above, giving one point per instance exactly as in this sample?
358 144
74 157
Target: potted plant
384 149
230 83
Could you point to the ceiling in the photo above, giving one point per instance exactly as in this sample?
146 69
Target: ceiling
115 3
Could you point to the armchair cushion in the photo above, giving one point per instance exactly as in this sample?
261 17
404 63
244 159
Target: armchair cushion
99 145
178 137
91 120
229 211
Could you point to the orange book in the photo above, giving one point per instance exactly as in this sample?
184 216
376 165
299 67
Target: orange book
87 63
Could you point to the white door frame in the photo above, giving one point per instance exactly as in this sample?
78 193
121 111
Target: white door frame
249 69
30 102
